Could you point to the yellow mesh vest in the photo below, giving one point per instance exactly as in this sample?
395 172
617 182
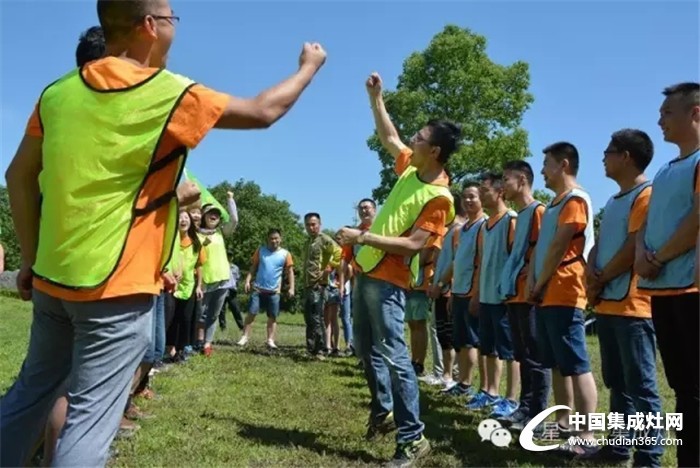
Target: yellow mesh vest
399 213
98 152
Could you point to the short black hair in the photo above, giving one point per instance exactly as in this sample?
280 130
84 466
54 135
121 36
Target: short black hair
495 178
564 150
457 200
119 17
469 184
690 92
368 200
308 216
521 166
446 135
637 144
272 231
91 46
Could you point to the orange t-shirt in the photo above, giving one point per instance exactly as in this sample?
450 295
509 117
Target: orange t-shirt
138 271
393 268
678 292
201 256
521 295
567 286
635 304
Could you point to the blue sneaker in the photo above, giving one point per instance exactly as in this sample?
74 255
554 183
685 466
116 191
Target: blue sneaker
503 408
481 401
460 390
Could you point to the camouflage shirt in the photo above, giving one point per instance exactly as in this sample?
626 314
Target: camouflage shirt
320 252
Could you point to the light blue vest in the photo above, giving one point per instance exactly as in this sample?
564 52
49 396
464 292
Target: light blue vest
465 257
270 268
550 222
671 201
508 284
446 256
612 236
494 258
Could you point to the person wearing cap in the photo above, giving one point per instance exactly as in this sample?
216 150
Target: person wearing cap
216 271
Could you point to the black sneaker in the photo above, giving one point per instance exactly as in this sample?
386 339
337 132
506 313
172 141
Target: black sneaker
380 427
408 454
518 416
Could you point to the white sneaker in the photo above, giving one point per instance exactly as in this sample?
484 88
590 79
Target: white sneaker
447 383
271 344
431 379
243 341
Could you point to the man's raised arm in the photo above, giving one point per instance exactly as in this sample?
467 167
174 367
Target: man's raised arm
385 128
269 106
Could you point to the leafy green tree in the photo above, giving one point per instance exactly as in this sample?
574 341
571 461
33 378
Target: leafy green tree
455 79
8 238
543 196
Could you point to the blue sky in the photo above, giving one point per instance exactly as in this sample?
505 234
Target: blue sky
595 67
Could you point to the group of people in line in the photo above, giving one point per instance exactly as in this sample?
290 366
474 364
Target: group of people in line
119 252
509 279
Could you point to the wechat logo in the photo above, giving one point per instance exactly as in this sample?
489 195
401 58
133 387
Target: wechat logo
490 429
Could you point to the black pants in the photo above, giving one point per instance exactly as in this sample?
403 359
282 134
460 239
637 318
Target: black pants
313 316
443 323
179 332
232 302
535 380
676 321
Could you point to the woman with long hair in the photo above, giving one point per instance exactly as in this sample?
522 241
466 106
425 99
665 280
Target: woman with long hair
191 257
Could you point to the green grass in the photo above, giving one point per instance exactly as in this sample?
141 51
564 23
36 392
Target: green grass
247 407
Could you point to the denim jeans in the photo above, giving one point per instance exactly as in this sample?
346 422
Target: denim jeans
535 380
157 345
92 347
628 361
346 317
212 303
378 326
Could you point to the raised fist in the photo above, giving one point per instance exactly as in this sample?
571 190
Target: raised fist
374 84
187 193
312 55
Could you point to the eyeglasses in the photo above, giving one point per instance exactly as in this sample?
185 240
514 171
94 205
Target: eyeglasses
172 19
611 151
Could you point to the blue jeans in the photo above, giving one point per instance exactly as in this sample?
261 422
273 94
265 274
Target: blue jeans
378 326
212 303
346 317
157 346
535 380
628 358
92 347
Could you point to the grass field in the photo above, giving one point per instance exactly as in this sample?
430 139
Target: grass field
248 407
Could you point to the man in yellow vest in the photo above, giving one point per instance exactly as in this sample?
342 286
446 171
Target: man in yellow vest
92 191
415 216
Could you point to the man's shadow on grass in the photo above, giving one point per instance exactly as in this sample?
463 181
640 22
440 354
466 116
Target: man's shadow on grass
286 438
454 430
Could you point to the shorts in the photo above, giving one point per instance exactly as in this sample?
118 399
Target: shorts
418 306
561 339
494 331
465 327
270 302
331 295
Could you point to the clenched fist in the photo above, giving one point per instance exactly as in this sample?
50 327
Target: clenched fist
187 193
312 55
374 84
